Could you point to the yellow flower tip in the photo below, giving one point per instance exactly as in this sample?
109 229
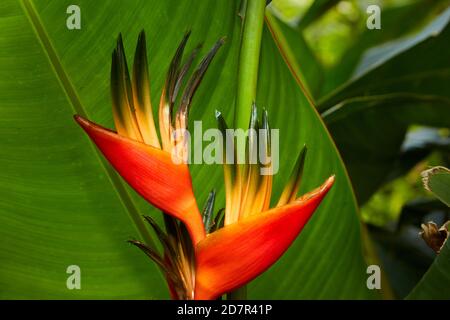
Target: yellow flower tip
325 187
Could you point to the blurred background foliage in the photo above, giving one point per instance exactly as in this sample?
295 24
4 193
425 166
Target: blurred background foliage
387 134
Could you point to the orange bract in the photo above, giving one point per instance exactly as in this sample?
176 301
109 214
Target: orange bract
152 173
236 254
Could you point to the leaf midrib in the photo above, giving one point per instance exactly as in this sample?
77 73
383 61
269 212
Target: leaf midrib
72 96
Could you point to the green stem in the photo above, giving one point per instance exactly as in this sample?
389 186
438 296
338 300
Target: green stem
249 61
248 79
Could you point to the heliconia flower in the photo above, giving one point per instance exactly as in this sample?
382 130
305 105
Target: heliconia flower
204 254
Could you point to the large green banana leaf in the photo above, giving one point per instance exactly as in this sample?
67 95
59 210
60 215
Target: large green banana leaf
60 202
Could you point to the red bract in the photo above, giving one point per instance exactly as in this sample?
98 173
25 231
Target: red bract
152 173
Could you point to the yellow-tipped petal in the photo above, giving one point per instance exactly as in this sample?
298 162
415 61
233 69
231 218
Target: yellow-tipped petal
165 125
122 97
290 190
168 97
141 94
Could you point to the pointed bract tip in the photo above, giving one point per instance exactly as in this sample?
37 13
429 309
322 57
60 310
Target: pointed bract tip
329 183
265 117
84 123
119 40
325 187
141 36
221 41
217 113
81 121
186 35
217 45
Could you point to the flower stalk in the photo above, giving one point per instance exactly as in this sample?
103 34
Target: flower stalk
247 84
249 61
